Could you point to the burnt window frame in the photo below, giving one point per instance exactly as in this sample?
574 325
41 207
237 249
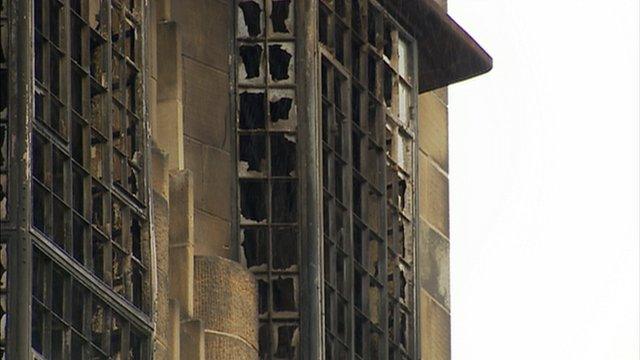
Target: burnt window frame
278 162
100 77
337 28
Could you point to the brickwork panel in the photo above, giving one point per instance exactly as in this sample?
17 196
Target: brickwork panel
226 298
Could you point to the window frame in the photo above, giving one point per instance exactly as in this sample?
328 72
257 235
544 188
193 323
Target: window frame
327 53
30 239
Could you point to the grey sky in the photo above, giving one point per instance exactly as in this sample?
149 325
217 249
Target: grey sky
545 183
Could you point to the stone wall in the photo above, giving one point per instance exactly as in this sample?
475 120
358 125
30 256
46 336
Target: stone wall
205 304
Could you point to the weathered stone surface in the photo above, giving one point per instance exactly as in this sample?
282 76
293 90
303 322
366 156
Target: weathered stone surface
215 197
168 129
213 235
435 330
173 339
206 30
206 104
169 60
434 264
433 132
160 171
192 340
434 195
181 239
161 233
226 298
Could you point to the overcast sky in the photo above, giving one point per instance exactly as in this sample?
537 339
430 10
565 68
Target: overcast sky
544 160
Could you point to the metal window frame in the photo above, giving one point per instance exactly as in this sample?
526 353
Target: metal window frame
324 53
22 244
295 38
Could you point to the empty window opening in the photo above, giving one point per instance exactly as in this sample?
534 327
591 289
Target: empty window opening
280 109
264 341
288 339
263 296
283 154
280 15
253 154
253 201
252 110
251 12
285 248
279 62
323 26
251 56
284 294
255 242
284 201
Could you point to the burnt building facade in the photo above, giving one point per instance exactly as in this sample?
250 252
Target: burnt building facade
217 179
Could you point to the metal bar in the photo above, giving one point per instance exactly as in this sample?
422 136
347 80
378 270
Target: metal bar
311 284
20 247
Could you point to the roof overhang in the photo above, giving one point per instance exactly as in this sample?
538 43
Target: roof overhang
446 52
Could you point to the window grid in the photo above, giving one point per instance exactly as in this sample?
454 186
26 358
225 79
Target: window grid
267 168
87 143
68 322
368 137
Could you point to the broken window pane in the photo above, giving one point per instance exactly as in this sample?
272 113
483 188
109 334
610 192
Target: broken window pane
40 208
284 200
138 286
98 324
135 345
251 65
249 18
79 235
255 242
60 223
284 294
281 13
252 110
137 232
118 271
116 337
253 201
288 340
282 110
263 296
252 155
283 154
285 248
98 255
280 62
264 341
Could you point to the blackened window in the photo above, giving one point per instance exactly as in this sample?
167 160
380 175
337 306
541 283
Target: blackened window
91 293
267 148
367 90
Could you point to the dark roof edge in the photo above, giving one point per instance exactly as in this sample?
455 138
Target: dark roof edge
446 52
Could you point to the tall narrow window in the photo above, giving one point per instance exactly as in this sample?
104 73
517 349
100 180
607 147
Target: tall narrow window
90 220
367 90
267 148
